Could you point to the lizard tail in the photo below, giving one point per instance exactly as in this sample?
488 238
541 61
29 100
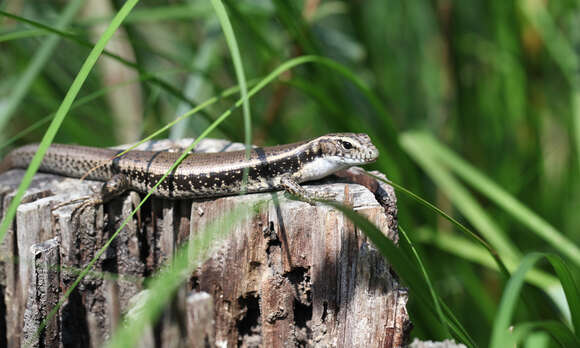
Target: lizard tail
6 163
18 158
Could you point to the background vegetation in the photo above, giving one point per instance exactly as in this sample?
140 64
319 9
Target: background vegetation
475 106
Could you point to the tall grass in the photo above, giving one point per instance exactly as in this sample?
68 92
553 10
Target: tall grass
473 105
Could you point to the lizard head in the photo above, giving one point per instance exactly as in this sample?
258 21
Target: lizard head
346 149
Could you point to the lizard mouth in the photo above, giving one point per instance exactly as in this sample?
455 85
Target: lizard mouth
371 155
367 157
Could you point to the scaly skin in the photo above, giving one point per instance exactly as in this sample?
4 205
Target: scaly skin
205 174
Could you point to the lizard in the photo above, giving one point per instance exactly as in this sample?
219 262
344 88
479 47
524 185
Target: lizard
203 175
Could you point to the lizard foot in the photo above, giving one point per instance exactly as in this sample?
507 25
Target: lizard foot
86 201
298 192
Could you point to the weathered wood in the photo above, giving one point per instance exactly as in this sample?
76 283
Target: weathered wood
310 278
200 320
291 275
430 344
43 295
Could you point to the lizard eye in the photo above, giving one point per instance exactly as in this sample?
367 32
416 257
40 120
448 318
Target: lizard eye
347 145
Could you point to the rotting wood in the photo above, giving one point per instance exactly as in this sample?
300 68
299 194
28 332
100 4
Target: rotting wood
43 295
292 275
200 320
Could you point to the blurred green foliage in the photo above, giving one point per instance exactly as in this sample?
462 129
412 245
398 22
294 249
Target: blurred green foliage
497 82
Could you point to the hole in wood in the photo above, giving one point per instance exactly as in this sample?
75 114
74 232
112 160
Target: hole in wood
302 314
3 338
249 325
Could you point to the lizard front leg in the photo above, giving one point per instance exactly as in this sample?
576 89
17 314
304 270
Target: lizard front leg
293 188
112 188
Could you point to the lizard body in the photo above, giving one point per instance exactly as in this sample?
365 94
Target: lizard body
203 175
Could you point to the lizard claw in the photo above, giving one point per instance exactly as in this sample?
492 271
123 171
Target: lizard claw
112 188
326 196
89 202
303 198
73 201
298 192
86 202
312 197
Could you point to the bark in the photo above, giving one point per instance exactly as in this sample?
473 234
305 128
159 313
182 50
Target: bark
291 275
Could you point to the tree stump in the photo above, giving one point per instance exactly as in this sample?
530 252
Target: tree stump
294 275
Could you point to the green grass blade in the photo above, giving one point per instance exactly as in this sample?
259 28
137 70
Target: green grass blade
26 131
557 330
80 41
36 65
151 14
61 113
21 34
570 289
230 91
456 327
432 291
467 250
190 10
495 193
239 68
187 258
80 102
288 65
462 199
466 230
196 86
501 334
